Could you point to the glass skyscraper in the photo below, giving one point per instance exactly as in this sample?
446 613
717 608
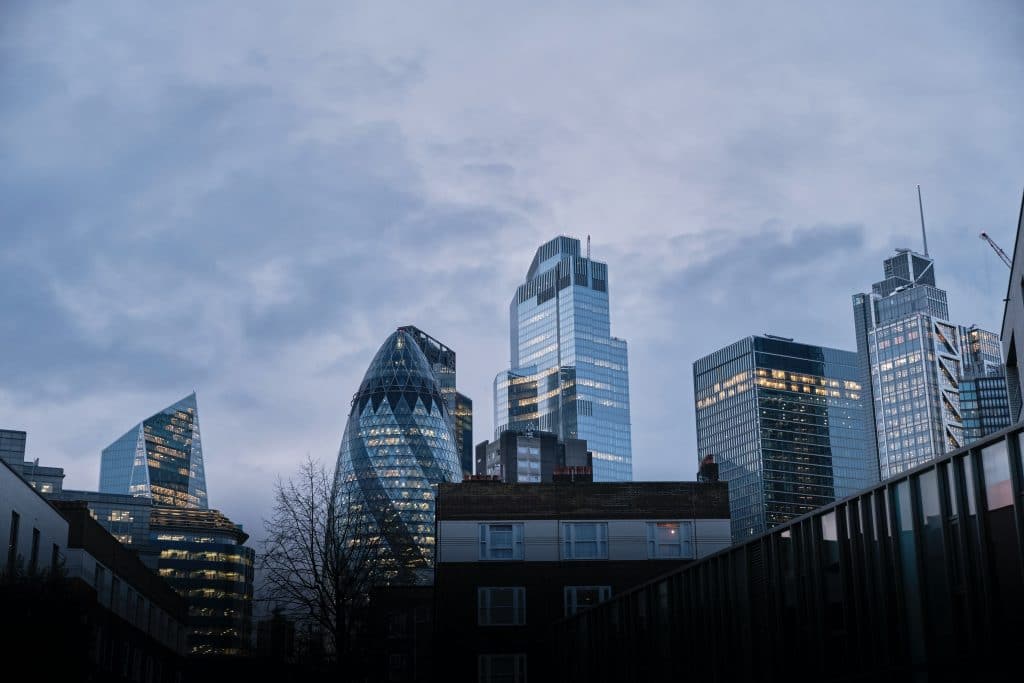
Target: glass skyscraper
464 432
984 400
398 445
12 448
460 407
160 458
913 362
153 500
203 556
984 404
786 424
568 375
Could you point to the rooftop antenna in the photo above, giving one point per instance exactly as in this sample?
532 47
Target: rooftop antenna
588 247
920 206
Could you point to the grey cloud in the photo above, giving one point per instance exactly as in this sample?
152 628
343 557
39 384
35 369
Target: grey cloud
249 212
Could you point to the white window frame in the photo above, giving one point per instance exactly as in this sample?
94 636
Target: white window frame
569 533
487 545
684 542
484 667
571 593
484 607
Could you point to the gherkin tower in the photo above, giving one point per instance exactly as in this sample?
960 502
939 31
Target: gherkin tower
398 445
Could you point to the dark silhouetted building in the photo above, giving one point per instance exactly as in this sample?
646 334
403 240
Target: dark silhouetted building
515 558
528 457
1012 335
275 637
78 605
918 578
399 638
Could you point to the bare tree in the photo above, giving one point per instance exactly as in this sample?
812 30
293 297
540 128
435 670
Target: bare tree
319 562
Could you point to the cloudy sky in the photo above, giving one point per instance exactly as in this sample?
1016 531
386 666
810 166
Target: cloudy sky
248 199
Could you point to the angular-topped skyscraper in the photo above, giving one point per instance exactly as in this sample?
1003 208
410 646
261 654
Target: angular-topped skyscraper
398 445
910 358
159 458
914 364
568 375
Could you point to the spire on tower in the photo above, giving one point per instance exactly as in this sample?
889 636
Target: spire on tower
920 206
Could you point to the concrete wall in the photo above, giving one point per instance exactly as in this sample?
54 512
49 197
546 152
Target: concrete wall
35 513
148 617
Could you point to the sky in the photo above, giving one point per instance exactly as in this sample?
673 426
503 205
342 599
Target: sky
245 199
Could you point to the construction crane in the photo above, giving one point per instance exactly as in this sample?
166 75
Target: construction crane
999 252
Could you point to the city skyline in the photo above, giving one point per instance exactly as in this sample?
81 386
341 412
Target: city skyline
755 206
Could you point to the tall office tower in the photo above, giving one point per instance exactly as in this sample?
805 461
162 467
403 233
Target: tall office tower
785 423
980 351
984 400
912 362
203 556
460 407
984 404
160 458
464 432
12 451
568 374
398 444
12 448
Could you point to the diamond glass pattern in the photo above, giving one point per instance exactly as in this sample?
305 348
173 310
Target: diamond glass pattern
398 445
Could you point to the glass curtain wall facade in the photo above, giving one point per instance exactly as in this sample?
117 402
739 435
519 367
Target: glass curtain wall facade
568 374
984 399
984 404
398 445
980 351
464 432
159 458
785 422
915 382
460 407
12 448
125 517
201 554
913 363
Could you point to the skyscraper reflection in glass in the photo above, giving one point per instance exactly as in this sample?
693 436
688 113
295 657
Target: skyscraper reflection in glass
398 445
159 458
785 423
568 375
